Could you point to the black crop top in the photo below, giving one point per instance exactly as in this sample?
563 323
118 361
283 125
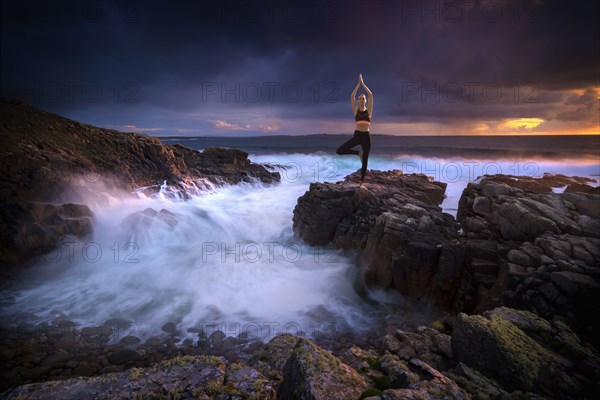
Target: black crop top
362 115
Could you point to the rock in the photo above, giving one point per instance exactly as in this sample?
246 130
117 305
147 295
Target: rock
517 222
484 344
519 350
537 234
33 229
169 327
123 356
307 371
574 283
522 208
494 189
481 205
426 344
47 178
182 377
246 382
57 359
316 374
589 226
130 339
398 371
331 212
85 369
435 385
396 223
520 258
391 344
475 383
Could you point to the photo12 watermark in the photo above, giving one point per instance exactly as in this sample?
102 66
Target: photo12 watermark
269 92
264 330
467 12
73 251
455 171
76 92
434 92
249 252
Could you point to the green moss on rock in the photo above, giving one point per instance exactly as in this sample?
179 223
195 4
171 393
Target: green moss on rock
500 349
369 392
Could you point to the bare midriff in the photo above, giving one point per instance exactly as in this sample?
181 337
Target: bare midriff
363 126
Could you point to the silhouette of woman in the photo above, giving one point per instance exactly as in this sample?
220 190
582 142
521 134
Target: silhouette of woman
362 116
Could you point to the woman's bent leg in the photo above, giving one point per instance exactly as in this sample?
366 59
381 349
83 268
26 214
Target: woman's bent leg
346 147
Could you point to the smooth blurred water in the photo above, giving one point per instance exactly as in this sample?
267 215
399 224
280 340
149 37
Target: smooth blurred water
229 255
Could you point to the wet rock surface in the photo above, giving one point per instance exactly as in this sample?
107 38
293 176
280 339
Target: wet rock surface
502 354
408 243
548 258
517 242
48 161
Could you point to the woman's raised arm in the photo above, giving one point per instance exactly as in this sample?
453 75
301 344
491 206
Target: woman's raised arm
353 97
370 95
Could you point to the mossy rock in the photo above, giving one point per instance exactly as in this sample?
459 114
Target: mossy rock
314 373
526 353
499 349
475 383
369 392
247 383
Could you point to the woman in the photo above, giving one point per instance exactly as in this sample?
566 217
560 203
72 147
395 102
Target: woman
362 115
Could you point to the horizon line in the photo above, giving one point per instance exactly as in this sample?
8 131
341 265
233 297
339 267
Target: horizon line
373 134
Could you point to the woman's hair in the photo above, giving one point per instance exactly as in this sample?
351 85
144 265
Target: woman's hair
362 94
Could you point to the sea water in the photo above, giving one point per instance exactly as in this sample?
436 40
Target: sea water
227 258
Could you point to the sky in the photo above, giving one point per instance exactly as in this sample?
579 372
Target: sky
248 68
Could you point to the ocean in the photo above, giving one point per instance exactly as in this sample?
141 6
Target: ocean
227 258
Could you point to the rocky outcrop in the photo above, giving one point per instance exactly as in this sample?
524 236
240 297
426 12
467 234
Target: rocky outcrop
50 160
287 367
43 154
32 229
502 354
548 258
305 371
516 242
202 377
522 208
408 243
525 352
341 213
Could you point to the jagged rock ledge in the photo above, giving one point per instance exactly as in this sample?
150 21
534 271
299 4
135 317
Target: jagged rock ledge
515 242
52 165
502 354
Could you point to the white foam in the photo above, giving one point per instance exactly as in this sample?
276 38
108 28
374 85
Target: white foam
180 266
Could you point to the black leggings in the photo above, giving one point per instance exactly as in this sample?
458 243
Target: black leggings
362 138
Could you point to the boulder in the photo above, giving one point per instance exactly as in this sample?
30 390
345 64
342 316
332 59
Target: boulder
305 371
525 352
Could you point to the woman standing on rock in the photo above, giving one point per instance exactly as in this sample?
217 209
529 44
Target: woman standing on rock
362 115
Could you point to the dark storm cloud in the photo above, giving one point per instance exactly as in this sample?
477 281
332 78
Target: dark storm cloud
130 60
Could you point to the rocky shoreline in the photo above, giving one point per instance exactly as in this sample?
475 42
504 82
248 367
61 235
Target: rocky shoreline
516 243
508 229
496 352
52 167
516 273
502 354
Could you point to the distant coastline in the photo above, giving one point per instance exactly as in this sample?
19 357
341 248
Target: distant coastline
378 134
552 147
